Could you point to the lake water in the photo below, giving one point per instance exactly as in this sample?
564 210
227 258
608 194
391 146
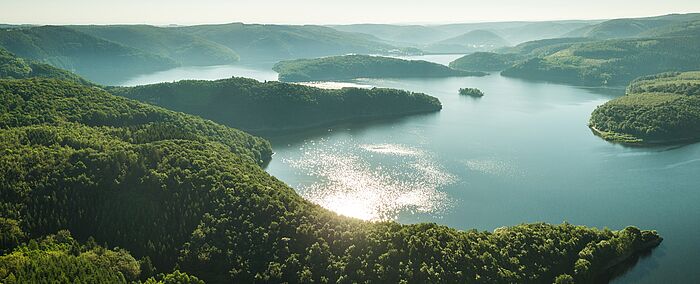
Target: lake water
522 153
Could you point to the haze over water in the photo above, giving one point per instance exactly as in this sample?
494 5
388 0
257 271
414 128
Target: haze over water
522 153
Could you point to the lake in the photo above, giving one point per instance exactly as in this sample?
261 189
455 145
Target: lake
522 153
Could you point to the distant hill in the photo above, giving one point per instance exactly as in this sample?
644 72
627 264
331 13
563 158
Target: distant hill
422 35
485 61
271 43
13 67
633 27
476 40
663 108
362 66
611 62
185 49
506 57
96 59
273 106
400 34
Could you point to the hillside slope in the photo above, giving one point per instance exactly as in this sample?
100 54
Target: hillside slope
185 49
95 59
612 62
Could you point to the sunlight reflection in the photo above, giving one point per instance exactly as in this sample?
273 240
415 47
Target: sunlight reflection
398 179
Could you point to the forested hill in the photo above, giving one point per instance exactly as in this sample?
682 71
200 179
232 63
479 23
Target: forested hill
612 62
183 48
13 67
663 108
273 106
93 58
362 66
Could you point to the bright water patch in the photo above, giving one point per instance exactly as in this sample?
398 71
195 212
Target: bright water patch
372 181
335 85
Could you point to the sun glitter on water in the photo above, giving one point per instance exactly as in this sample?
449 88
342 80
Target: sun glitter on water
372 181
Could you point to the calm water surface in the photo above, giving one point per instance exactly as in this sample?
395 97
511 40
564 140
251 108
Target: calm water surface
522 153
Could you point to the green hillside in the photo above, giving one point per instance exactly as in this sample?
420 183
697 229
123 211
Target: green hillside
505 57
362 66
662 108
271 43
185 49
13 67
95 59
273 106
612 62
187 194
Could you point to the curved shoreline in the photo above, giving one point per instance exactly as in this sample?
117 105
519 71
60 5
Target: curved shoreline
642 142
363 118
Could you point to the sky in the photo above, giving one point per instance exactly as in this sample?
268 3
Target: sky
161 12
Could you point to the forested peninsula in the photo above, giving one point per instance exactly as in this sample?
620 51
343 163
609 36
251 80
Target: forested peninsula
362 66
271 107
663 108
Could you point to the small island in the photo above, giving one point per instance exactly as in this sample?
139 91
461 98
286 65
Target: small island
657 109
472 92
363 66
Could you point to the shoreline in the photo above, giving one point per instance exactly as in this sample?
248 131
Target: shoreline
642 143
267 132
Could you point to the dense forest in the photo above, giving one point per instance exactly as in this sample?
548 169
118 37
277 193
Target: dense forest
362 66
178 198
267 107
659 108
93 58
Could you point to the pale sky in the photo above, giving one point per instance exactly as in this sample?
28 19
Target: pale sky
327 11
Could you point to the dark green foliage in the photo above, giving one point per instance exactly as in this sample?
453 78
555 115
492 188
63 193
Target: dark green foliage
42 101
657 108
612 62
96 59
183 48
193 203
271 43
273 106
60 259
362 66
13 67
472 92
11 234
